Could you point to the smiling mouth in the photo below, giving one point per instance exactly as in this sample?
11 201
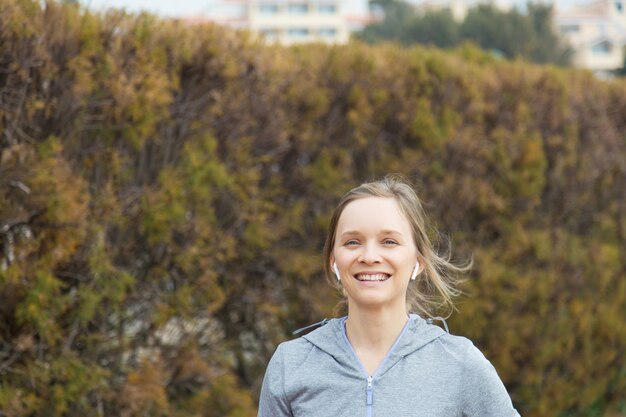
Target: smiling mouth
372 277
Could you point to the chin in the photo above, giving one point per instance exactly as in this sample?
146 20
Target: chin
371 302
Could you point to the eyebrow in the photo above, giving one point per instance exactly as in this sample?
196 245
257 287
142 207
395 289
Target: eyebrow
382 232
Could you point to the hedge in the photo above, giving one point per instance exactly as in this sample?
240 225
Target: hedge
165 190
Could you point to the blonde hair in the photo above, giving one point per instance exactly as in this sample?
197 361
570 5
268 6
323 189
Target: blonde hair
434 290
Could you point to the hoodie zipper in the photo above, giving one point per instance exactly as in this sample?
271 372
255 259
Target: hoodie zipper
369 396
369 391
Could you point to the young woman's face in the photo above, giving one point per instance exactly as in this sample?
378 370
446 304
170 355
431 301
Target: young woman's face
374 252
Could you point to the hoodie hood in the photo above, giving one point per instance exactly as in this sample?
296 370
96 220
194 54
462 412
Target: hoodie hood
331 338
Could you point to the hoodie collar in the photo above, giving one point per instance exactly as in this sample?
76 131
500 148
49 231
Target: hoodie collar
331 339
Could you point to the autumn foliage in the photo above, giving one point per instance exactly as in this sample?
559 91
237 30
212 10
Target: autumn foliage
165 189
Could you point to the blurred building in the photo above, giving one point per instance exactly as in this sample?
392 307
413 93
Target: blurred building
458 8
597 32
293 21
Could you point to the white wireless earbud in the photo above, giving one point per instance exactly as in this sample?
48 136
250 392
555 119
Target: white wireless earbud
415 271
336 271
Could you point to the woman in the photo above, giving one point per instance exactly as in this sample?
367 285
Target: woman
380 360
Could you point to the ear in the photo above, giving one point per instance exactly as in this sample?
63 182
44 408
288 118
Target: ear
422 265
418 268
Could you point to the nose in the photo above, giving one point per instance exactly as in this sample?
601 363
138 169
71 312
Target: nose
370 255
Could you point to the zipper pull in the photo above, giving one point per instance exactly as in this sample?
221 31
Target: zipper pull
310 326
370 394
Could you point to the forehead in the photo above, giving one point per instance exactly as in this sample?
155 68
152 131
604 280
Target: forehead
373 214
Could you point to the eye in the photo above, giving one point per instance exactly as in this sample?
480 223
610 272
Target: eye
351 243
389 242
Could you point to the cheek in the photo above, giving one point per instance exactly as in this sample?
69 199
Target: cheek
338 257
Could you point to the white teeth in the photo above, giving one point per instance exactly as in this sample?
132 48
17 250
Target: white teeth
372 277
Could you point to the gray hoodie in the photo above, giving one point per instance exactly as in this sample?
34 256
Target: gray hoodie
427 373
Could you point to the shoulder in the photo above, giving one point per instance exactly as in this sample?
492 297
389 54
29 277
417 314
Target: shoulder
471 357
482 390
457 343
478 375
295 346
457 347
466 350
461 353
291 352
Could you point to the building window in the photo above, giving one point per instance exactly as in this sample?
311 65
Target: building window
298 33
570 29
268 8
269 34
298 8
327 9
603 48
327 32
619 6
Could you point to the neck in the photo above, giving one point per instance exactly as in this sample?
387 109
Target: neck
375 329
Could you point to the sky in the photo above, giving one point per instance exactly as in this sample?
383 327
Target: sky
178 8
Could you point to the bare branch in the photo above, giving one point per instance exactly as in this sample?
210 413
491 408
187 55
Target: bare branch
11 224
20 185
